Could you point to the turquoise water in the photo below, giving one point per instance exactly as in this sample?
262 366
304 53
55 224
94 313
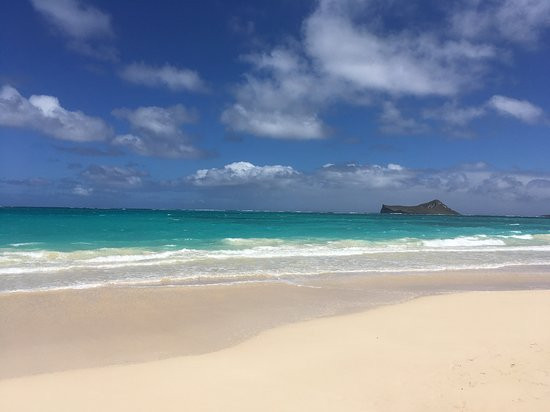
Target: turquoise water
43 248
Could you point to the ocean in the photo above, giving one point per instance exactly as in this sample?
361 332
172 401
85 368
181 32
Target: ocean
58 248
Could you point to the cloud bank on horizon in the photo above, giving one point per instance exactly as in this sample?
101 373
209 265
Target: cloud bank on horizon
182 127
346 187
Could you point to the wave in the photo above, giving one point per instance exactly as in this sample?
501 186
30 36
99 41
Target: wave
276 247
25 244
244 259
464 241
289 278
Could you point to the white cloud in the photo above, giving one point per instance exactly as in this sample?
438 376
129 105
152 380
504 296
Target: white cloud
75 18
277 124
169 76
520 109
398 62
347 53
520 21
461 182
80 190
280 99
468 188
365 176
329 175
46 115
82 24
156 131
455 115
242 173
158 120
342 185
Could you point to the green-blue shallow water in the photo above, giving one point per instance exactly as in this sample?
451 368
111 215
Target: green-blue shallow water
43 248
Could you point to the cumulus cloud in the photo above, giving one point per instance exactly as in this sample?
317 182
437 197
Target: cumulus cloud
455 115
355 186
519 21
373 176
168 76
86 27
339 59
46 115
242 173
279 99
357 52
156 131
398 63
520 109
469 188
278 124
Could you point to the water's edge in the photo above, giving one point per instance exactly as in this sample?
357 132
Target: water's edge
115 325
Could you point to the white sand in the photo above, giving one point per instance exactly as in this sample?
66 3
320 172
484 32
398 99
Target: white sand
476 351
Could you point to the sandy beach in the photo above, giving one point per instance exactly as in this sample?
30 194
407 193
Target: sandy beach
252 347
275 206
477 351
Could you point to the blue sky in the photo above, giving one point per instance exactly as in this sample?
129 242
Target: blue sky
293 105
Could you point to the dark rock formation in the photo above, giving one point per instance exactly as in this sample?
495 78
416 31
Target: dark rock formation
435 207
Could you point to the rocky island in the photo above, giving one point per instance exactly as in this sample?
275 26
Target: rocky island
435 207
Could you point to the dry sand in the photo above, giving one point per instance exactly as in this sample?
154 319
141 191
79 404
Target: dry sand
75 329
474 351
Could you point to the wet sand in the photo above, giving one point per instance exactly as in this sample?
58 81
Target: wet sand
54 331
473 351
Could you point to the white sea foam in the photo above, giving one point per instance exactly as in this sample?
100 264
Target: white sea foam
244 259
466 241
526 237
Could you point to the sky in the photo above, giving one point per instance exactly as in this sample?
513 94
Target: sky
288 105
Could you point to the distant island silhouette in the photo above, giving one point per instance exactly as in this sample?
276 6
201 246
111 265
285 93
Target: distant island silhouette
435 207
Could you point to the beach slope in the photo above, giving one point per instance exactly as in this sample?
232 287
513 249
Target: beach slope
475 351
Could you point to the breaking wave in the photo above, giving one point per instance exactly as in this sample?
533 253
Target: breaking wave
260 259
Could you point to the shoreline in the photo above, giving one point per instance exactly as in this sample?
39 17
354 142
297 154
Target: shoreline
55 331
472 351
296 280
